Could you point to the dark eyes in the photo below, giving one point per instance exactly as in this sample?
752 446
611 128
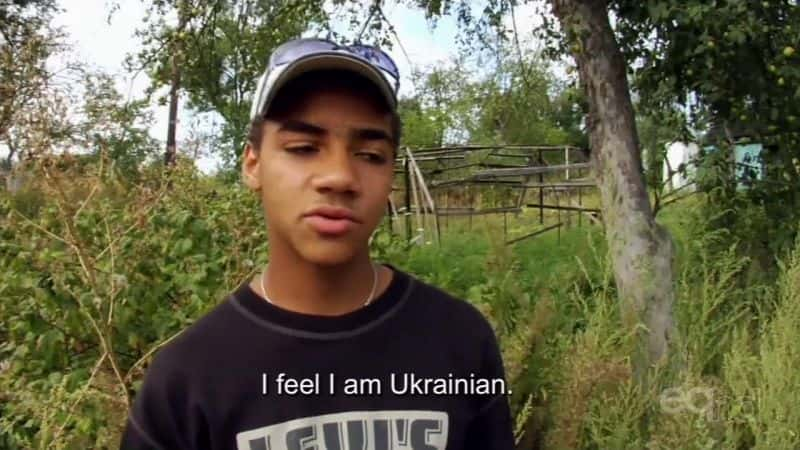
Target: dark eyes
372 157
308 150
302 149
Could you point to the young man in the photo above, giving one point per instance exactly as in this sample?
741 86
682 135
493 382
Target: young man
326 349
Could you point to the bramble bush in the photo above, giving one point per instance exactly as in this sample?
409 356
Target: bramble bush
96 278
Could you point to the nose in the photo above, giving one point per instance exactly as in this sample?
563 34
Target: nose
337 172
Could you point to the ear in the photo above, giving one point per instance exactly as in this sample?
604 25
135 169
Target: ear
251 168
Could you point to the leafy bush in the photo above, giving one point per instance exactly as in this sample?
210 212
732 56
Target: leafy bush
103 275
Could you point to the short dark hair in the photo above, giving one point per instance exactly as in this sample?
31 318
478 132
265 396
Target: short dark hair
298 89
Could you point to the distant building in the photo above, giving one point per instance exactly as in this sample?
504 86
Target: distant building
680 164
686 162
749 154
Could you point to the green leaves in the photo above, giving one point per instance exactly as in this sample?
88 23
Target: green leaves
183 246
158 266
660 10
724 65
224 46
730 55
518 101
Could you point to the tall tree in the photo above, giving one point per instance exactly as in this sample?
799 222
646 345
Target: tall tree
518 101
641 249
177 51
733 64
441 103
109 123
26 41
164 52
734 59
513 102
223 68
214 53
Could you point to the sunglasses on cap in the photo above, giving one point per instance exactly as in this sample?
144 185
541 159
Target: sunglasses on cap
295 57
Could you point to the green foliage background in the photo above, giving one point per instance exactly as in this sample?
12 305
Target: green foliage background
100 270
105 256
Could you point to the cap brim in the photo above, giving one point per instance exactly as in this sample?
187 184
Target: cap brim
331 62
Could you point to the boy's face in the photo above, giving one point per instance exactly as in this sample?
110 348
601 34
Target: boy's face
334 152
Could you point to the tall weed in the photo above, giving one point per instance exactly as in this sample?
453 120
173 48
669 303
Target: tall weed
765 383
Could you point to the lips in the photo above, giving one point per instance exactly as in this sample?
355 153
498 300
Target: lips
331 220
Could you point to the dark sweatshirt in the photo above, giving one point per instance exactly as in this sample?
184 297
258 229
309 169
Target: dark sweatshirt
416 369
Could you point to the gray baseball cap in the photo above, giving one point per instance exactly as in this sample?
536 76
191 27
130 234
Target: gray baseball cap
300 56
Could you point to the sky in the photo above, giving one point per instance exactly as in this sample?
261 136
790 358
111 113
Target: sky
103 45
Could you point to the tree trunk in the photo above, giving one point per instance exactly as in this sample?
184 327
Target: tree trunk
170 154
641 250
12 150
174 91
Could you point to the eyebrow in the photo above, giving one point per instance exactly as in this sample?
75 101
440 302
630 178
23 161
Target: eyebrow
365 134
372 134
298 126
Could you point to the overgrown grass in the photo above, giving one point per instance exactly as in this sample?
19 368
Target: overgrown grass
732 381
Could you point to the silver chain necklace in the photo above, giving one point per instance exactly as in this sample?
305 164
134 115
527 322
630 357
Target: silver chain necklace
369 299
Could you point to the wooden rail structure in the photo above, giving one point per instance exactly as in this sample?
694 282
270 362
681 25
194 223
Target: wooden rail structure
430 173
